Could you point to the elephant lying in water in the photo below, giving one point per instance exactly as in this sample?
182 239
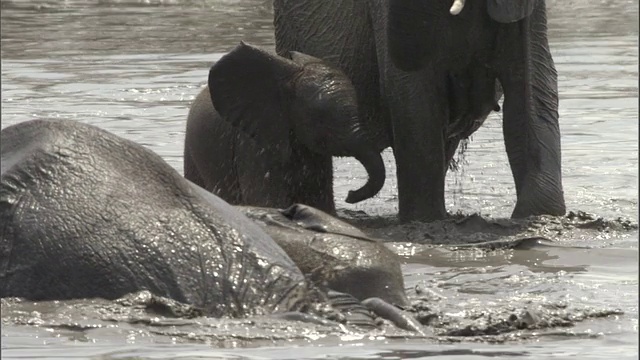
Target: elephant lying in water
85 214
265 128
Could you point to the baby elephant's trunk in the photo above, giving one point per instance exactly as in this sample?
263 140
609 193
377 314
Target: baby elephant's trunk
372 162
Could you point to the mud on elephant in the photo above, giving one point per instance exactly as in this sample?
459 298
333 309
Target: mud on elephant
427 74
264 130
87 214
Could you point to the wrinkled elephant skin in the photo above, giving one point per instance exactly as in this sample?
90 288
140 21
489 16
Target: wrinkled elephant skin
335 254
85 213
428 73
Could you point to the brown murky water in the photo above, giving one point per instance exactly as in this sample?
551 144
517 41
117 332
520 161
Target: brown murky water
133 67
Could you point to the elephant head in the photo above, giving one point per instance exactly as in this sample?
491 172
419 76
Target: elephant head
407 28
282 102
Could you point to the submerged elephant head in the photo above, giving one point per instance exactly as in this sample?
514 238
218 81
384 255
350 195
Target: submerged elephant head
282 102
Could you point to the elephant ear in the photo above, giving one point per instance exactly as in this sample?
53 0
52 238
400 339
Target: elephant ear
248 88
508 11
317 220
405 30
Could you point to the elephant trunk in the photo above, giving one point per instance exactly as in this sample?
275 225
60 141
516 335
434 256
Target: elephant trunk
530 122
372 162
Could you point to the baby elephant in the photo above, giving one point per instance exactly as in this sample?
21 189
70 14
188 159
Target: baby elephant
264 130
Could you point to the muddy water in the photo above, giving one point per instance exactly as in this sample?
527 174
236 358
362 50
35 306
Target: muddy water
133 67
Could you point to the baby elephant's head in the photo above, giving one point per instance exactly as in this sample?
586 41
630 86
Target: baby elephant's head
273 99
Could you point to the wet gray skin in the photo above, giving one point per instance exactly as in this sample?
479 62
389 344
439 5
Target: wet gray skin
87 214
338 256
335 253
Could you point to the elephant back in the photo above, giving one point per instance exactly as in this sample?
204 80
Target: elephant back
86 213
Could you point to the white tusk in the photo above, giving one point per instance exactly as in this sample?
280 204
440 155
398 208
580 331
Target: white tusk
457 6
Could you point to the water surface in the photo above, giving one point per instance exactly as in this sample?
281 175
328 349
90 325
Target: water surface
133 67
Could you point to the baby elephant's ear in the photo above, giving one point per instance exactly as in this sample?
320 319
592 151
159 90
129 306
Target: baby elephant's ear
508 11
248 88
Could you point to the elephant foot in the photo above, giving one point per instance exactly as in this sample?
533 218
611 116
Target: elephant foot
424 216
521 212
541 200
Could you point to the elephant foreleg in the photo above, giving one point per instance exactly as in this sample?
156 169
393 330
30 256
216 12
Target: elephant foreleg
263 180
419 112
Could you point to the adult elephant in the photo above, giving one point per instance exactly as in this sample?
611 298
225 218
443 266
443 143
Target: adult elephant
264 130
86 214
426 78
